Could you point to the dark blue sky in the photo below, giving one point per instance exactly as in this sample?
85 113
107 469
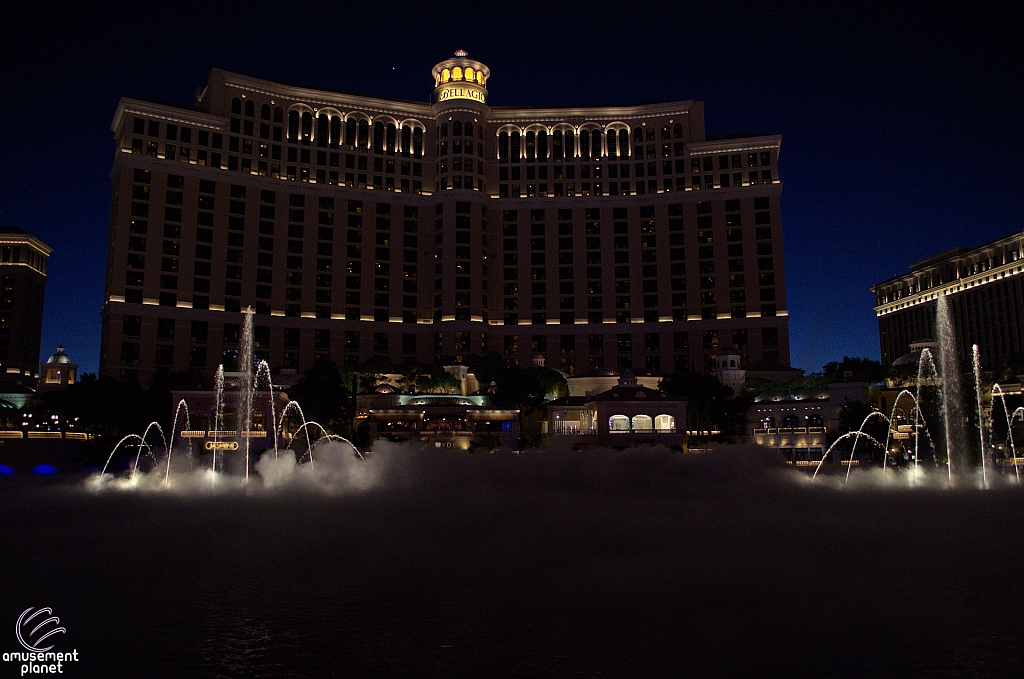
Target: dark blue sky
901 129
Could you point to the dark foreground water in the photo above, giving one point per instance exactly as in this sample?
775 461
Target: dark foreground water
638 564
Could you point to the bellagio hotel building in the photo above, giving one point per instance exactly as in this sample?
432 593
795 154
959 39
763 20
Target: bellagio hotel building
598 237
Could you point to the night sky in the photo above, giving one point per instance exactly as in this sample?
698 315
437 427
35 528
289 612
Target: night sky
901 132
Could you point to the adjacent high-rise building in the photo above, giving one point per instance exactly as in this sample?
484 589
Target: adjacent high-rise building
985 290
598 237
23 277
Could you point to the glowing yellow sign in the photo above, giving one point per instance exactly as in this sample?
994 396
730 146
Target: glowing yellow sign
222 445
460 92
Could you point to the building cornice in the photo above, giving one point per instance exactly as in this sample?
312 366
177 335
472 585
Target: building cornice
956 257
736 145
502 114
312 96
166 112
997 273
24 239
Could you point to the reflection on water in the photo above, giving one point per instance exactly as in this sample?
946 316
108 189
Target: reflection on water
637 563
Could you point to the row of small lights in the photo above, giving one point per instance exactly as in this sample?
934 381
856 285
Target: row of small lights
54 421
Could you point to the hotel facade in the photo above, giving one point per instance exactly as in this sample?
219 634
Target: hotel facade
984 287
598 237
23 259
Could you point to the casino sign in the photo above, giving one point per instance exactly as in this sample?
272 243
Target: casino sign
461 92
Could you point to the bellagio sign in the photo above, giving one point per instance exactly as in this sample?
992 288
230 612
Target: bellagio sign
460 92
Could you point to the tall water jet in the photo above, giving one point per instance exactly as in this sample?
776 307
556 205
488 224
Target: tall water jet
218 413
245 386
952 395
976 360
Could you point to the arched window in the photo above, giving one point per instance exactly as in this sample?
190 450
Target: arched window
503 147
531 145
457 128
293 125
350 133
265 112
322 129
469 73
417 142
250 108
389 138
595 145
446 75
814 421
677 131
570 144
364 133
457 73
790 421
335 131
542 145
638 135
611 145
665 424
278 114
378 137
307 125
236 105
618 424
624 143
585 144
643 423
444 130
406 140
768 422
468 129
556 145
513 151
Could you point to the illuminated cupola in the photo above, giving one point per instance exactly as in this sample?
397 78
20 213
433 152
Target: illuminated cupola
460 78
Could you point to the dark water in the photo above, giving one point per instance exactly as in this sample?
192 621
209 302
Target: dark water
600 565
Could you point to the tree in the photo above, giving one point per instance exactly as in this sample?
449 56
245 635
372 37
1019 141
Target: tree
102 406
733 420
516 387
487 366
862 369
411 372
853 417
372 371
438 381
551 383
158 402
705 396
526 389
325 397
1011 367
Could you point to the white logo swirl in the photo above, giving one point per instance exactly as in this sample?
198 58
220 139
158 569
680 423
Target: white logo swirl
24 620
